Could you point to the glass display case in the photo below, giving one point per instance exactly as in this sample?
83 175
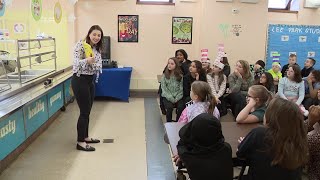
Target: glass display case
33 58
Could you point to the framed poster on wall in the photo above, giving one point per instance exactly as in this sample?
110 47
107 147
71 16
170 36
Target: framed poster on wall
182 30
128 28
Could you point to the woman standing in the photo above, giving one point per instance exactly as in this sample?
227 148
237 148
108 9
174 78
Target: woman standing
86 64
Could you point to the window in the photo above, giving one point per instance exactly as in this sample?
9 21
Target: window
283 5
159 2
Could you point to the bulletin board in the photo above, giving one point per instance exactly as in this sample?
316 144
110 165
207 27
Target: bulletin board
302 40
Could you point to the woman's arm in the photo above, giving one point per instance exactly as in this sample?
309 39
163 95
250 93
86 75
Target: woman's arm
223 86
183 117
210 82
246 146
179 94
186 86
281 88
244 116
235 83
165 90
78 55
301 93
313 91
98 62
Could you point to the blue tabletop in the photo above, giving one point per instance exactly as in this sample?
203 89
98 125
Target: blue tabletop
117 69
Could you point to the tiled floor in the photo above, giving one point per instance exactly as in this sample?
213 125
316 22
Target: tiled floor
53 155
138 151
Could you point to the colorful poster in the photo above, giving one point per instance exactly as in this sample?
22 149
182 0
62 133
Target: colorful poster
12 133
128 28
36 9
182 30
2 7
35 113
57 12
55 99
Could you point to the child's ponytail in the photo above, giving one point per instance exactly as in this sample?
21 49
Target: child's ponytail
213 102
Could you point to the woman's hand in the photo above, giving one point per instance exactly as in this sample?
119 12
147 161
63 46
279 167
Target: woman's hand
176 159
251 102
197 76
90 60
309 79
218 100
236 72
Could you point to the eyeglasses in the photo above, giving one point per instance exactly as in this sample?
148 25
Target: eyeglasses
248 96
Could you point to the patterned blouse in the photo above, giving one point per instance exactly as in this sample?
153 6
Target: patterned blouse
217 90
80 65
314 152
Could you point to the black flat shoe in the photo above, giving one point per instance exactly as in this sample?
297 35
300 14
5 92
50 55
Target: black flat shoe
87 148
92 141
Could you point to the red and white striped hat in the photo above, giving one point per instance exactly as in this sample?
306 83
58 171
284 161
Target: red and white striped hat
204 55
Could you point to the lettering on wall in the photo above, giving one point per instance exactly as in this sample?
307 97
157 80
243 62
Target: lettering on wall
10 127
55 98
32 111
295 30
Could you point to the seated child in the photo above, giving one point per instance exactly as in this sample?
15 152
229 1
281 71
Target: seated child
172 89
196 73
308 67
311 85
203 151
266 80
257 100
257 69
291 61
278 150
202 102
292 87
275 72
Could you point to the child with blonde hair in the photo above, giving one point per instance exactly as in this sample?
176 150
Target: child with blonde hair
202 102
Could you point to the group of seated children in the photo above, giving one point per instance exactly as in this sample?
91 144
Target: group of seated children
280 149
176 84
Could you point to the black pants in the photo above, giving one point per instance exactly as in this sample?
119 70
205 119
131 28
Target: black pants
222 107
83 88
307 102
169 108
163 109
237 102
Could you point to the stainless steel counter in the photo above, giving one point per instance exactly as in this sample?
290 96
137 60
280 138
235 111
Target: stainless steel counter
19 95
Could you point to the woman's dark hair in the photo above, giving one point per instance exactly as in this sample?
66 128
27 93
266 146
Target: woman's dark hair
203 91
176 72
297 73
225 61
200 70
269 84
261 63
316 74
286 134
183 52
99 44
